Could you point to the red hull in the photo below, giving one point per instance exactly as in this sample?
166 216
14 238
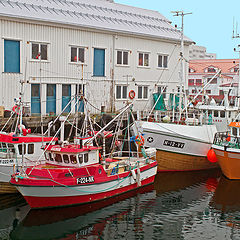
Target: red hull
48 202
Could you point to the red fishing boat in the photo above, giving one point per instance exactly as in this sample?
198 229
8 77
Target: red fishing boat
77 173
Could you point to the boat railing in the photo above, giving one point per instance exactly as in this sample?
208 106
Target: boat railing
192 117
227 140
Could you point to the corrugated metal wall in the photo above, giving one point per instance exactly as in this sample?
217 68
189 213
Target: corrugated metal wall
59 70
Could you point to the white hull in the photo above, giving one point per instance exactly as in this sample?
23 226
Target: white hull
182 139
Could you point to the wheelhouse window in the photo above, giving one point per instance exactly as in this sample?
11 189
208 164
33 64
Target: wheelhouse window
73 159
162 61
122 57
222 114
215 113
40 51
22 149
142 92
80 158
211 69
30 148
234 131
143 59
65 158
58 158
121 92
213 81
85 157
78 54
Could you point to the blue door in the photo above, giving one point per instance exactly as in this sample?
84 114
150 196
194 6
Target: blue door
51 98
66 97
11 56
99 62
35 99
80 90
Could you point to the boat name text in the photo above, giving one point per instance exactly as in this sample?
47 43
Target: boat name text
4 161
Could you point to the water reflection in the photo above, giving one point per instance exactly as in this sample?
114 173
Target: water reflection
187 205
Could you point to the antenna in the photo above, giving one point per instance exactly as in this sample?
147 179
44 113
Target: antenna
235 31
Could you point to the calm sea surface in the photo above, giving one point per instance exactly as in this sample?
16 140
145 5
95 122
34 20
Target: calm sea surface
187 205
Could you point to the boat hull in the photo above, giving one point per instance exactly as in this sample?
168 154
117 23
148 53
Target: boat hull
58 196
170 161
180 147
229 161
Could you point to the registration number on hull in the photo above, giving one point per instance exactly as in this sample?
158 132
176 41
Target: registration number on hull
83 180
4 162
173 144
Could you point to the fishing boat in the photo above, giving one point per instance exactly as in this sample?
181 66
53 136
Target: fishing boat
76 173
226 146
19 148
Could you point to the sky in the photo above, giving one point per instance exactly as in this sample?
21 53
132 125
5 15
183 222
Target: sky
210 24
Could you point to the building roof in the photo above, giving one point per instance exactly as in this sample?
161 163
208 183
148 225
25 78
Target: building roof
95 14
224 64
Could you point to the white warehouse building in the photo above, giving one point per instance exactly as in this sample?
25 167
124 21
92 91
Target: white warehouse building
102 48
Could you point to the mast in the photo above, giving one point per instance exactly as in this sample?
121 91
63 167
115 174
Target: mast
236 35
182 83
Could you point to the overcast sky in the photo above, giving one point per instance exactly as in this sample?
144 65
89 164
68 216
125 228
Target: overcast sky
209 25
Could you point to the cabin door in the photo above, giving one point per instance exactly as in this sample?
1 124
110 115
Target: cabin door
51 98
35 99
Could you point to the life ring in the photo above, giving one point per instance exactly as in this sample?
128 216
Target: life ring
132 94
140 140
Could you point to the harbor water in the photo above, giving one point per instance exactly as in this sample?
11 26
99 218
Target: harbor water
179 205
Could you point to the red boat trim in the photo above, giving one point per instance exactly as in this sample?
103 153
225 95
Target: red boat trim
116 177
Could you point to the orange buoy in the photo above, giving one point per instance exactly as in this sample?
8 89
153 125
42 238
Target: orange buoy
228 138
211 156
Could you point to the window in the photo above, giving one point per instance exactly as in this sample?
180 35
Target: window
58 157
78 54
39 51
211 69
121 92
214 81
143 59
20 148
51 157
208 91
99 62
194 91
66 158
190 82
162 61
198 82
162 90
142 92
215 113
80 158
30 148
221 93
235 69
86 157
234 131
222 114
73 159
122 57
11 56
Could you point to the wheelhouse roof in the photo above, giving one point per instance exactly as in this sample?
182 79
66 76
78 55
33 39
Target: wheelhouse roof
94 14
72 148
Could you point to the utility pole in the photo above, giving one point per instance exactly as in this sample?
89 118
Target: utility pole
181 14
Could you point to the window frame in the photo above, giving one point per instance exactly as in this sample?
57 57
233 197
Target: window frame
122 57
38 59
143 87
78 47
143 61
122 93
163 61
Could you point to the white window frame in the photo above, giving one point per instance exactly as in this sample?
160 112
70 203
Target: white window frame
144 53
142 97
39 44
122 51
121 97
163 90
162 63
78 47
